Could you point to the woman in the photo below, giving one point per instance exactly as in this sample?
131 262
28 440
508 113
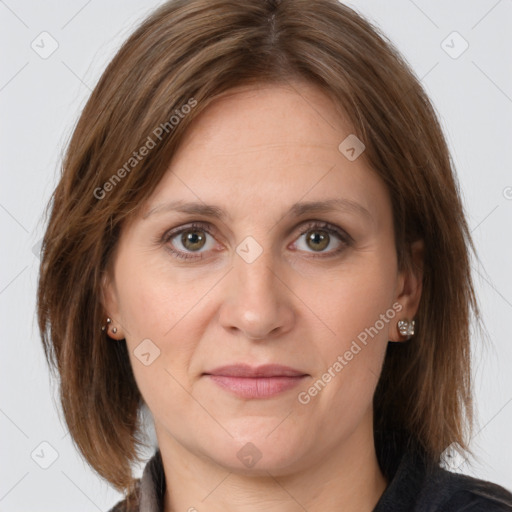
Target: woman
258 235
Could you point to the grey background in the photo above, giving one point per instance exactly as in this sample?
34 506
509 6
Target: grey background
40 101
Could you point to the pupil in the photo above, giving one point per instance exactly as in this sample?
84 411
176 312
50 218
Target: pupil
317 238
192 237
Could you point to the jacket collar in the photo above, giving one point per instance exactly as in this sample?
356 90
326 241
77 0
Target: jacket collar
403 463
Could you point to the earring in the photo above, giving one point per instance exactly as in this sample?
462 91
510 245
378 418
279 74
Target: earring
104 327
406 328
109 321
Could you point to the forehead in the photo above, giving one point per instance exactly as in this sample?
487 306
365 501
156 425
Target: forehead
297 113
265 145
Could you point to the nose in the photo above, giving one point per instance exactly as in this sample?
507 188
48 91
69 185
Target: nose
258 302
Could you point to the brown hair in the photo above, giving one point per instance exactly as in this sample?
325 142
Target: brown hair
187 53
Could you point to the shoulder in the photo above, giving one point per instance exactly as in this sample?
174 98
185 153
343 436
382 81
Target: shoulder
148 491
130 503
453 492
418 483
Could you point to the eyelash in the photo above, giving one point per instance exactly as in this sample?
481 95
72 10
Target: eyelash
329 228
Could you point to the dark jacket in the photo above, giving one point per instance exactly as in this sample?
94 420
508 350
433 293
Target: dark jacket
415 485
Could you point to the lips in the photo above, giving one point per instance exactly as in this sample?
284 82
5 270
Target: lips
245 370
249 382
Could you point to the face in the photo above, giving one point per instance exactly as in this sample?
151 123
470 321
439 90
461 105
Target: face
257 326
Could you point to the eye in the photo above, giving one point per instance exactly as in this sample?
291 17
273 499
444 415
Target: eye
319 235
189 241
191 238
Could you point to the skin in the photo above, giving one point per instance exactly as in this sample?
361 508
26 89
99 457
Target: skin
254 152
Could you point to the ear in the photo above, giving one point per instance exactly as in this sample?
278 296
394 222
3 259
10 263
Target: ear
110 301
409 288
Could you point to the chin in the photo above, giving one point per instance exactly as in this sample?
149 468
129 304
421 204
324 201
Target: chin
257 451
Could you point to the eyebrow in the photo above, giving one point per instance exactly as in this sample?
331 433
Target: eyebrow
297 209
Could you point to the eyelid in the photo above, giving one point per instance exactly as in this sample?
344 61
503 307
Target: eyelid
322 224
199 225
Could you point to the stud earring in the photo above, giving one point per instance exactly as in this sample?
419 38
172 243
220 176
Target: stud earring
406 328
104 327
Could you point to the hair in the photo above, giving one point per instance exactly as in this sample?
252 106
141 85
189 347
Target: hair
189 52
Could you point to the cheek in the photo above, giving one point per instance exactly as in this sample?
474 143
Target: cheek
159 305
145 307
155 314
352 299
356 305
153 299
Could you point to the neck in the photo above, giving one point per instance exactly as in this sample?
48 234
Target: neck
347 478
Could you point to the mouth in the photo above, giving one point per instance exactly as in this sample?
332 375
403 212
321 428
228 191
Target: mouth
250 382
